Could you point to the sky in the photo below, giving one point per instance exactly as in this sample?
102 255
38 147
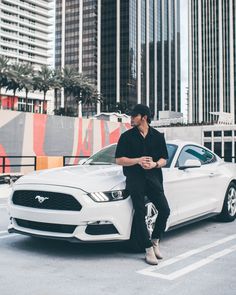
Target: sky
184 53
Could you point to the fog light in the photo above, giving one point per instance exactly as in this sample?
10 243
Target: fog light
101 227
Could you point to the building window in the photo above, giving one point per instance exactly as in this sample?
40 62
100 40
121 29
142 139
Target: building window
207 133
33 106
228 151
217 133
228 133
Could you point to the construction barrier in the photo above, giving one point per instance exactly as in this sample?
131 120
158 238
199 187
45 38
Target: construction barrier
46 162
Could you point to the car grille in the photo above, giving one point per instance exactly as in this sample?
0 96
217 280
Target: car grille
45 200
50 227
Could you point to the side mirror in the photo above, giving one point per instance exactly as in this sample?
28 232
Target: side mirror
190 164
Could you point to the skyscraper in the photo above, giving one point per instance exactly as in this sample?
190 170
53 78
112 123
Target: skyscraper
212 84
130 48
25 28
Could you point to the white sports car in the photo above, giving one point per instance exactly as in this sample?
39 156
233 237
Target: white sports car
89 202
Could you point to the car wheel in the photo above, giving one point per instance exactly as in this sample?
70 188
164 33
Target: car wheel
136 242
228 212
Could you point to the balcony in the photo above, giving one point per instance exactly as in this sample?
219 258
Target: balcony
34 25
18 11
35 34
9 26
36 51
40 5
34 8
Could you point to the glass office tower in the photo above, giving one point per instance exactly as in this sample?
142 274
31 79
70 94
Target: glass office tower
212 60
134 54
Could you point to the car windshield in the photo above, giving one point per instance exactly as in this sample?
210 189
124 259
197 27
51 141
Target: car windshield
106 156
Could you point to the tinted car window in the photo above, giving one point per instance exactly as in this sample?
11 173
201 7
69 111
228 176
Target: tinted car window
194 152
107 155
171 148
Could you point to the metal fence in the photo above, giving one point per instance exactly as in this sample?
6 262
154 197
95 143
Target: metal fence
66 158
4 164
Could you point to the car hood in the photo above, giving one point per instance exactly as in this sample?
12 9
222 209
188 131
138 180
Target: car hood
89 178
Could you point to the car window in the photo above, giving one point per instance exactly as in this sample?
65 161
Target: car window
171 148
192 152
107 155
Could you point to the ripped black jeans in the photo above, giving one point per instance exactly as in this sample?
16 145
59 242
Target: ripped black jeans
153 189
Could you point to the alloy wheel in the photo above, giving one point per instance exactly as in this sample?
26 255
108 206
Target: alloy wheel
232 201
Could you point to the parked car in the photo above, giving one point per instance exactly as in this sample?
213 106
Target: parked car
88 202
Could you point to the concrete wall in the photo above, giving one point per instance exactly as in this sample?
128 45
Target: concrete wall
28 134
184 133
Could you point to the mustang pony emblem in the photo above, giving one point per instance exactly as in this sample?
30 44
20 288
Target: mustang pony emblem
41 199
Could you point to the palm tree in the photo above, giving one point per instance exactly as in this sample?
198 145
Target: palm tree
43 82
27 81
3 74
15 79
123 107
84 92
89 95
57 84
70 79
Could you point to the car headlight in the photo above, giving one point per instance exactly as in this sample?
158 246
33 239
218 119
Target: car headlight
109 196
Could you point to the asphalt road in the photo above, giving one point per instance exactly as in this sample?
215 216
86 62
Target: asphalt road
199 259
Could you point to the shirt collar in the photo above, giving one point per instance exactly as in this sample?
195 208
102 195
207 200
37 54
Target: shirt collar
150 130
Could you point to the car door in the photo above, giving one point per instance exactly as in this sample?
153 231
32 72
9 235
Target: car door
196 187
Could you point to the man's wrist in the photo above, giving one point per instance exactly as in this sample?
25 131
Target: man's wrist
157 165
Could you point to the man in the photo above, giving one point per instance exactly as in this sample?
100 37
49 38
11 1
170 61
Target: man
142 152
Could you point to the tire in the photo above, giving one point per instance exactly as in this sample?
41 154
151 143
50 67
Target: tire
136 242
228 213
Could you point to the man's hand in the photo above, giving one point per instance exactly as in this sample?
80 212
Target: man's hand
147 163
142 161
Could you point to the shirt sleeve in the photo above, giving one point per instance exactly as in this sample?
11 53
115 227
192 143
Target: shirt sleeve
122 147
163 148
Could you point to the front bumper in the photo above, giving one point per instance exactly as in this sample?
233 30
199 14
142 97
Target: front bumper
107 221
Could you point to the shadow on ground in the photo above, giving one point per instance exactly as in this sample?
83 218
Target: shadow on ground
71 250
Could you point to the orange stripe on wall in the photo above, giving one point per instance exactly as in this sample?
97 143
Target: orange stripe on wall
114 136
7 161
103 131
39 133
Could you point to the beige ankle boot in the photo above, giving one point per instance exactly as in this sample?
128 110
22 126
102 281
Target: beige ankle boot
150 256
156 249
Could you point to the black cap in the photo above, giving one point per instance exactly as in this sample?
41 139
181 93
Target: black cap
143 110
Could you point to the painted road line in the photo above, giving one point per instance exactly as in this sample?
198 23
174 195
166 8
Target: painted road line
191 253
186 270
3 206
186 255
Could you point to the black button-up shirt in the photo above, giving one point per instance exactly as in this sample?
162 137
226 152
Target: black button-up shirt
133 145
